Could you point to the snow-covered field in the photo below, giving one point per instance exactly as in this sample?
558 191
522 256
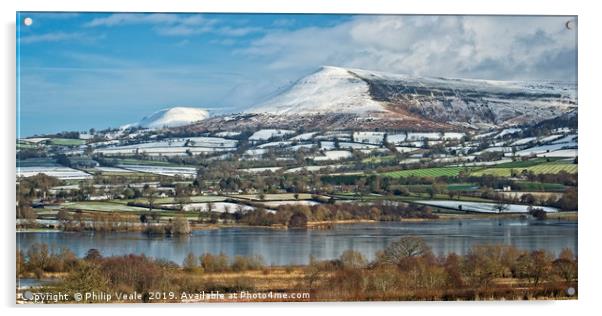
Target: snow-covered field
402 149
187 172
496 149
567 153
453 135
485 207
357 146
302 146
174 147
333 155
550 138
219 207
112 169
255 152
260 170
368 137
396 138
161 151
266 134
291 202
523 141
304 136
283 143
63 173
545 149
227 134
567 139
312 168
508 131
422 136
484 135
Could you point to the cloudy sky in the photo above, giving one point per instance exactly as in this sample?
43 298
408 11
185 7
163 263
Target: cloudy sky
78 71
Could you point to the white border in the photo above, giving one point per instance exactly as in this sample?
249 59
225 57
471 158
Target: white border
589 139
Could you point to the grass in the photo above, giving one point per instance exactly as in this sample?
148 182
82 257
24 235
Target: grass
67 141
426 172
37 162
540 186
25 145
542 168
525 163
102 206
463 187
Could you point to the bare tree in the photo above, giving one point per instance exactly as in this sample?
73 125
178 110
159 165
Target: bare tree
405 247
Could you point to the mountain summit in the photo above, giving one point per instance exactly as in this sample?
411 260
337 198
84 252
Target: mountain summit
443 100
328 90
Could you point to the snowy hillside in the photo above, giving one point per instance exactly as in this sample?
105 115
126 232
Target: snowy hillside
329 90
172 117
458 101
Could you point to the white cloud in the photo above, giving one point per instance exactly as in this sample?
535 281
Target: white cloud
173 24
50 37
497 47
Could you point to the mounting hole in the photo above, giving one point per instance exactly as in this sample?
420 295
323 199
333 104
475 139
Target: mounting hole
27 21
570 291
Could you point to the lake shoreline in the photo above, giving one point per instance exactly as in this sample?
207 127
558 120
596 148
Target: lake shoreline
569 216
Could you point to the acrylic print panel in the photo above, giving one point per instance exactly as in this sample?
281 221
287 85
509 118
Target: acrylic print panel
194 158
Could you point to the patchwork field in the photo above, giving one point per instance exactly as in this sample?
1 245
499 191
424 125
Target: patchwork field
426 172
547 168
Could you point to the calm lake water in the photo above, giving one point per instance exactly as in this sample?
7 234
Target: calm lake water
281 247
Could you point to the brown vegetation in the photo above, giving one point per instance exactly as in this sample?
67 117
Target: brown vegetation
405 270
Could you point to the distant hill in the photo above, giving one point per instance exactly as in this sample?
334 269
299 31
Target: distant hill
172 117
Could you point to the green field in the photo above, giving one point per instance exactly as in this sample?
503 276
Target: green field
542 168
102 206
67 141
540 186
426 172
25 145
526 163
37 162
450 187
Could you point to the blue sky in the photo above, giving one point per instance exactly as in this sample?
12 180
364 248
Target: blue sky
78 71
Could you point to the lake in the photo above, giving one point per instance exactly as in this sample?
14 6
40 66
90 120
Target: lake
281 247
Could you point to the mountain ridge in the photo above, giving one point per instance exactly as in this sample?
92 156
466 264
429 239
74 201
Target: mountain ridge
444 100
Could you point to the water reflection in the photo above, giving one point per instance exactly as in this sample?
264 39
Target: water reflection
295 246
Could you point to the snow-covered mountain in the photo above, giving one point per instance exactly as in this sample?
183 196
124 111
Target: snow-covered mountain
456 101
171 117
328 90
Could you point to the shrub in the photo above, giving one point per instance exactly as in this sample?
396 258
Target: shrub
351 259
214 263
242 263
190 263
